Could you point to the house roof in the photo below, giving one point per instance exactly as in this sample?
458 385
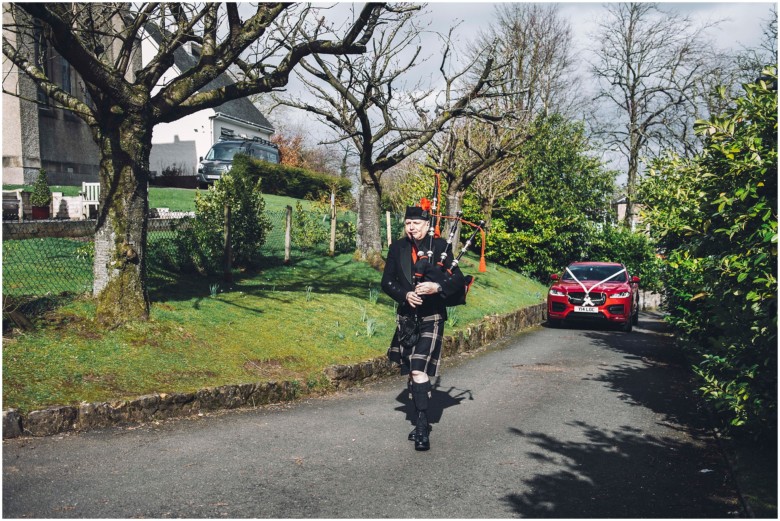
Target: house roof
241 109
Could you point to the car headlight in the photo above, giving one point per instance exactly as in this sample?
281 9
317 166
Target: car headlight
623 294
557 293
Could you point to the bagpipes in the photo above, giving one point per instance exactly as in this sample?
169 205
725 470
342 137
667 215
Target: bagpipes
425 269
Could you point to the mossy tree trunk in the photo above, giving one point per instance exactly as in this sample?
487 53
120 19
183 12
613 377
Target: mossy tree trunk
369 235
120 238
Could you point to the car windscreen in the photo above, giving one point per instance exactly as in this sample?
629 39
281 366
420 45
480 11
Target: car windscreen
587 272
224 152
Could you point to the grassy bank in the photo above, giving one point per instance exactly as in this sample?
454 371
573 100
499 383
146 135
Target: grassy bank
287 322
175 199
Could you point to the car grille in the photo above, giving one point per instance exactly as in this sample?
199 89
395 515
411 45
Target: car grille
578 297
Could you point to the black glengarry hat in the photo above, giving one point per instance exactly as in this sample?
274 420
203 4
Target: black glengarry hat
420 211
415 212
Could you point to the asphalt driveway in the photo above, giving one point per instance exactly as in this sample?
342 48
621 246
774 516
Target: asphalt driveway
565 423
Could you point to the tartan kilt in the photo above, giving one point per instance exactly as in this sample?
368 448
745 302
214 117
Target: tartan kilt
426 355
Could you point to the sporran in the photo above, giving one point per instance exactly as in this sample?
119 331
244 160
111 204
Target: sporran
408 330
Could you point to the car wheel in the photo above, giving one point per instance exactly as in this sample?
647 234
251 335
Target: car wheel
554 322
628 325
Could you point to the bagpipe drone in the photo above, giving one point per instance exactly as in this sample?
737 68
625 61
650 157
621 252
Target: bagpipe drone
426 268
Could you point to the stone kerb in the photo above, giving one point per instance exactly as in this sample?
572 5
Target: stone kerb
54 420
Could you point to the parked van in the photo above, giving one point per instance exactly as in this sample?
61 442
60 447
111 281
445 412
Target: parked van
219 158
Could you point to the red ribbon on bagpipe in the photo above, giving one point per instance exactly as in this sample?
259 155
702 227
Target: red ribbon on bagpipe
433 207
426 262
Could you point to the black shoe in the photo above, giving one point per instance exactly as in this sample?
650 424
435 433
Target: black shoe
422 442
421 439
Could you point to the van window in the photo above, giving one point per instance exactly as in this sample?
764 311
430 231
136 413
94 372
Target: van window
265 154
223 152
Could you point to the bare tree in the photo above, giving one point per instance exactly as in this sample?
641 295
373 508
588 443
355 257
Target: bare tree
648 64
101 42
365 100
467 150
751 61
535 44
496 183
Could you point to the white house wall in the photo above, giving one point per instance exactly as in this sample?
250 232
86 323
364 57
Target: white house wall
179 144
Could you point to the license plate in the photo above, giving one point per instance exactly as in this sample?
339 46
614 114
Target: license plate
213 176
585 309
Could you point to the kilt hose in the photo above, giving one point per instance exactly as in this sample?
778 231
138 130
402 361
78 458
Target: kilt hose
426 354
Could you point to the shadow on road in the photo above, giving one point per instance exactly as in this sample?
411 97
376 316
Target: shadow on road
655 374
623 474
626 472
440 399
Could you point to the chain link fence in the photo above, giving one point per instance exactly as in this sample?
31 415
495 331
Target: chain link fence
48 262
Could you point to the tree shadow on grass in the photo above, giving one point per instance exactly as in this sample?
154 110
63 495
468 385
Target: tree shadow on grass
627 472
269 283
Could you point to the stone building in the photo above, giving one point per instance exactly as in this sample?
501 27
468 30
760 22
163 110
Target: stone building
38 134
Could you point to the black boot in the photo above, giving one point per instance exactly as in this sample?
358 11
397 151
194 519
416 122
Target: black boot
421 431
413 434
421 439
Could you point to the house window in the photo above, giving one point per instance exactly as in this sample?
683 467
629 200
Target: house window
65 68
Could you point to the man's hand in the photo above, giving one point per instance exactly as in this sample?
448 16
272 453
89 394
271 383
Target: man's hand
413 299
427 288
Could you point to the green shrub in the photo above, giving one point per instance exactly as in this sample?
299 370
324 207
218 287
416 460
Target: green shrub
41 193
715 215
310 230
201 244
295 182
552 220
616 243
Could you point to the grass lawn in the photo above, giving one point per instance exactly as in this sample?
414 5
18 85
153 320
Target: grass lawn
175 199
286 322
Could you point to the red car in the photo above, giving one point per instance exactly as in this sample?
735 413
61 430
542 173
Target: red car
594 291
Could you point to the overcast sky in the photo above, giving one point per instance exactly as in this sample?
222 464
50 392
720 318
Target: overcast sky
742 26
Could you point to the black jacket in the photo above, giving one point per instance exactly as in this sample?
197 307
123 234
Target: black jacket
397 279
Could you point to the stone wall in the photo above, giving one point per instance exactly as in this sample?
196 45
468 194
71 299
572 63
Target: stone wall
54 420
85 228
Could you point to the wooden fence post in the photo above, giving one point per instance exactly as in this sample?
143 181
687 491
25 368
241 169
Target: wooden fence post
287 234
332 224
389 230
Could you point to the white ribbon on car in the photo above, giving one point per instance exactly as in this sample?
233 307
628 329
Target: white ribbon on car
587 301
